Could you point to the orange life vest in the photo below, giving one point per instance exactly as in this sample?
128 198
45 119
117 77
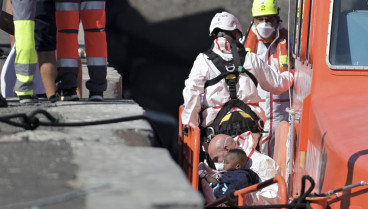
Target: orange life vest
281 52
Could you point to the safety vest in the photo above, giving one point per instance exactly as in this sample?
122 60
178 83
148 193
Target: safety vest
251 45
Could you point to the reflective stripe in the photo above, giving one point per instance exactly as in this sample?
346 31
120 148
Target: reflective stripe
93 5
68 63
24 82
67 6
24 78
96 61
20 93
25 69
283 60
23 87
247 49
24 36
251 153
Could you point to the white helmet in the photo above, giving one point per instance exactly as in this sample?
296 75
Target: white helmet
225 21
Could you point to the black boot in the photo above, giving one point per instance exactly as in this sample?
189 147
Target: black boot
3 102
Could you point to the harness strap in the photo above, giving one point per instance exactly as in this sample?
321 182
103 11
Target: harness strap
251 76
232 79
235 52
229 67
234 103
216 80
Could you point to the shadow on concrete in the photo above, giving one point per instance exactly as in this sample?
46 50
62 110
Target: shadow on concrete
155 59
38 173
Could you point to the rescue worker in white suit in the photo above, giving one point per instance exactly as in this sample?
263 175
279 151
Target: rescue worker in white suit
211 99
269 40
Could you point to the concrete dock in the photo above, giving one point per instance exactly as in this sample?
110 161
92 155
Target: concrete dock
99 166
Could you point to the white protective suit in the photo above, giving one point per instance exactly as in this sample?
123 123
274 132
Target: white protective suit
218 94
272 103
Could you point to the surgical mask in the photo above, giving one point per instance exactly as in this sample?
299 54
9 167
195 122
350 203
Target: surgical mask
219 166
265 30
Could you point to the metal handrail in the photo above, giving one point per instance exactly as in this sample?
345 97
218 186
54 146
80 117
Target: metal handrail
277 179
189 148
240 193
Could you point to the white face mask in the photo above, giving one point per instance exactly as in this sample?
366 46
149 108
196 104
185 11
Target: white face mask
265 30
219 166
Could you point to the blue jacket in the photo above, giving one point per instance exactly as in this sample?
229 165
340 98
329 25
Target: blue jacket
231 181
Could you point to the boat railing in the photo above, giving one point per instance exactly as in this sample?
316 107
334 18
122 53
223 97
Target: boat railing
241 194
189 149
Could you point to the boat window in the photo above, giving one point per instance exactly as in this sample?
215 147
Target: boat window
349 42
295 32
309 28
297 28
301 28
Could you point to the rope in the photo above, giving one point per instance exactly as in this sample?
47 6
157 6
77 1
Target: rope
31 122
289 160
361 183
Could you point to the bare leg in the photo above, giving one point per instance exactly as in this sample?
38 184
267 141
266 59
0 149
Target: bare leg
48 71
6 22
